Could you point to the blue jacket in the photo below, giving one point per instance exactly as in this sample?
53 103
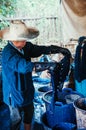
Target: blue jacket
17 73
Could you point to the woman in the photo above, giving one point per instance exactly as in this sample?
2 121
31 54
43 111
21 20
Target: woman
18 89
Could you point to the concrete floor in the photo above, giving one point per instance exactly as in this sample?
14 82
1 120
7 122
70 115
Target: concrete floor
35 126
37 123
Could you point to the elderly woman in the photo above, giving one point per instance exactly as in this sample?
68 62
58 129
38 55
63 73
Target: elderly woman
18 89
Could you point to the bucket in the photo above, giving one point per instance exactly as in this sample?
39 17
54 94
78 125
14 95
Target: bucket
44 122
65 126
37 79
61 111
64 96
60 126
47 96
4 117
39 93
70 98
80 107
37 126
44 89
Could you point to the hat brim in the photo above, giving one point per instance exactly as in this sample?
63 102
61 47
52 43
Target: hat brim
32 33
2 32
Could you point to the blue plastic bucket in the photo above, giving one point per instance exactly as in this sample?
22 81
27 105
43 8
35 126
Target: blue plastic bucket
65 126
60 126
60 111
4 117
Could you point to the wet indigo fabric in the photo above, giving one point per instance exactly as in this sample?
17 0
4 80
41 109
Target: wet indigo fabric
80 63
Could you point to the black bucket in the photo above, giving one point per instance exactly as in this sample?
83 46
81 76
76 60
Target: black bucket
4 117
44 121
39 93
44 89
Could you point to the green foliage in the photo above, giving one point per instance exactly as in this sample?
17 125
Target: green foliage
31 9
7 7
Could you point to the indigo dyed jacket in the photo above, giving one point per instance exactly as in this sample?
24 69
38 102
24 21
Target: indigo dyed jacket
18 89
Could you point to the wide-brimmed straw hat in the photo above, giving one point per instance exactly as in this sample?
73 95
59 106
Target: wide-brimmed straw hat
18 31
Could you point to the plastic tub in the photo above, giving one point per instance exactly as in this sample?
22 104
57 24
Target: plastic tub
59 111
65 126
80 107
72 97
45 123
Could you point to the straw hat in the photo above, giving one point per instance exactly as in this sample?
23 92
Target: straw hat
18 31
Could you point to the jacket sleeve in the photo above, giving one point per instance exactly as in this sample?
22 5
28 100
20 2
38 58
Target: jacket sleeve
16 62
37 50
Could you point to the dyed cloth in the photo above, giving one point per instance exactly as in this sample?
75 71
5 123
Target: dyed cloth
81 87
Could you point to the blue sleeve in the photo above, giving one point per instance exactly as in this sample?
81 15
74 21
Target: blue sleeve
16 62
